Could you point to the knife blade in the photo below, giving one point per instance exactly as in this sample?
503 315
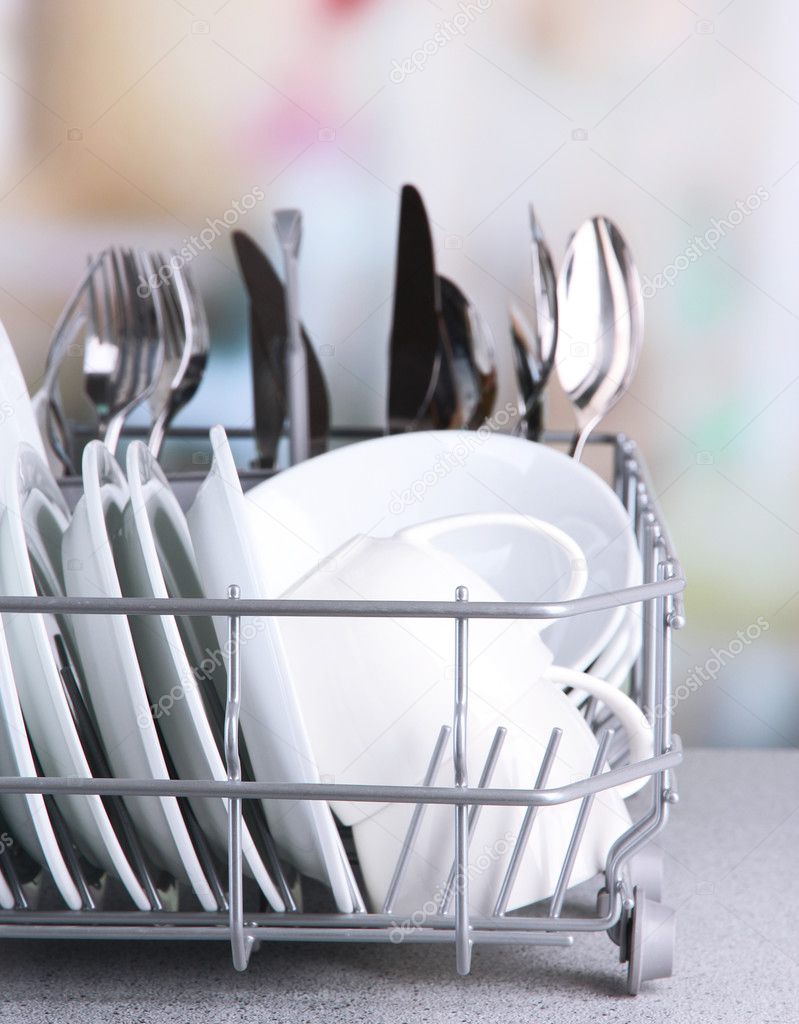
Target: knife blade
421 379
268 333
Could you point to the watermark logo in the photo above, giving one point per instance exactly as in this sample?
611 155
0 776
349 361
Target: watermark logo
433 906
705 243
446 462
212 661
460 22
191 247
714 664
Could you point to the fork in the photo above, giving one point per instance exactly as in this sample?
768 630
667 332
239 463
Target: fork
186 344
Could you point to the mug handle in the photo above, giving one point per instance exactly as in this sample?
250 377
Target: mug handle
633 720
429 531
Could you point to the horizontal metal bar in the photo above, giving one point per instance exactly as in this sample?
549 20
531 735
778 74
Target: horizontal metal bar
360 935
340 609
247 433
454 795
567 437
298 922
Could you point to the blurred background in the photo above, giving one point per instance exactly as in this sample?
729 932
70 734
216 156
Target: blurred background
158 122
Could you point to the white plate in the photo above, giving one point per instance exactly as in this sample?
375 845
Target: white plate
378 487
26 814
17 418
111 672
305 832
155 559
31 529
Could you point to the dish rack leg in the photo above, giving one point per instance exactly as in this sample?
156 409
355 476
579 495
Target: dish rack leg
650 942
240 942
645 870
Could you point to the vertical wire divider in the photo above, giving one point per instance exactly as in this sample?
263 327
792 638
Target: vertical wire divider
663 723
631 488
463 942
68 851
639 509
652 622
623 850
523 837
241 944
9 874
474 811
642 671
663 791
586 804
66 845
358 904
116 808
619 457
260 832
204 855
416 820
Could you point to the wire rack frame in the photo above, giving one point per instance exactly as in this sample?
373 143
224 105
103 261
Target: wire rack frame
660 596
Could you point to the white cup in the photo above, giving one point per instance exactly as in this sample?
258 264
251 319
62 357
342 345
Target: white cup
373 691
529 722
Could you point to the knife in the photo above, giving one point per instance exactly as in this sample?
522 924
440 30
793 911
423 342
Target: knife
421 379
268 333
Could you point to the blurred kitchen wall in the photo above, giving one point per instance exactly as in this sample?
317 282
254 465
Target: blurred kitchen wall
141 123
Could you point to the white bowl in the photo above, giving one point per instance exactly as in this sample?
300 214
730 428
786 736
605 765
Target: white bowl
379 487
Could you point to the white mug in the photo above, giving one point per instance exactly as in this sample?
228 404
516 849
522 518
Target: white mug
529 722
372 691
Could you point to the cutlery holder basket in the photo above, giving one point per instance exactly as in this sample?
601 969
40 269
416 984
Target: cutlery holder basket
627 903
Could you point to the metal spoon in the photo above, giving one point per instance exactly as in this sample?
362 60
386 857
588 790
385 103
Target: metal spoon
124 348
601 323
534 347
473 357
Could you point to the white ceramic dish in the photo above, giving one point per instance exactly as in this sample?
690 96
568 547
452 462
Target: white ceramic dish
155 559
111 671
379 839
18 420
26 815
31 529
374 692
305 832
615 662
381 486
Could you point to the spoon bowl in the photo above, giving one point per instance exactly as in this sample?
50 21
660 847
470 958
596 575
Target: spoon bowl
601 323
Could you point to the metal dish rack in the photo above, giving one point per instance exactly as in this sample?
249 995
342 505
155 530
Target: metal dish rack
628 906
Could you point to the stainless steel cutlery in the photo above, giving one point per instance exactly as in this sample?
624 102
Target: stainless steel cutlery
268 334
601 323
534 346
146 340
184 328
